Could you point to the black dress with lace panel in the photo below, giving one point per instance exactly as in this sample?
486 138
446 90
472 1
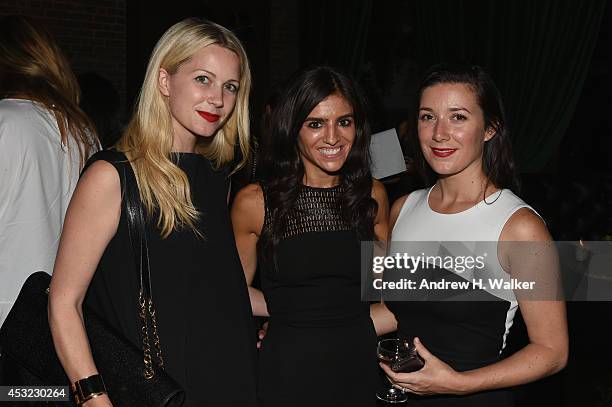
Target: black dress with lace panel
320 347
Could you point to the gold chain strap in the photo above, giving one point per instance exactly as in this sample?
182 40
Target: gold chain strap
156 342
149 372
147 310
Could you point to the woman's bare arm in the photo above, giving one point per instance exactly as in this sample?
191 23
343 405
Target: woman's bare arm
546 353
91 221
247 221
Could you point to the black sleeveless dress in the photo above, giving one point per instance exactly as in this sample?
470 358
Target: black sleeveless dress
320 348
199 290
465 335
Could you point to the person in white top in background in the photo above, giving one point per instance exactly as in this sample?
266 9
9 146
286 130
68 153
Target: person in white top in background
45 138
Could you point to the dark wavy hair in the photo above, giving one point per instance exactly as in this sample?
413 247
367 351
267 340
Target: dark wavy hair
282 167
497 162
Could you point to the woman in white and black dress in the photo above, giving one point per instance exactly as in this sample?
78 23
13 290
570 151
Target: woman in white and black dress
465 147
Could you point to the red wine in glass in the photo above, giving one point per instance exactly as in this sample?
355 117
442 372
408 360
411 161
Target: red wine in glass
401 356
412 363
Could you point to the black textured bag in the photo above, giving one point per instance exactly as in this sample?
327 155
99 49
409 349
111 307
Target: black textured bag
27 355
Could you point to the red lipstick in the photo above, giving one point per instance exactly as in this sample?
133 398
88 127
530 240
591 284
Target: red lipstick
209 117
443 152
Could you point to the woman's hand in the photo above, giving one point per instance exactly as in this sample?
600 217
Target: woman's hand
383 319
436 377
261 334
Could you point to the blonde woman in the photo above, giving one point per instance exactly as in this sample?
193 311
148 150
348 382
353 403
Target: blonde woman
44 141
191 114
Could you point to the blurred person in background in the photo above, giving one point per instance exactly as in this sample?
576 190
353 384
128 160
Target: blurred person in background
45 138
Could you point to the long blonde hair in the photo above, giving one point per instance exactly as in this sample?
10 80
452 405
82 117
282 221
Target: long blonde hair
32 66
147 141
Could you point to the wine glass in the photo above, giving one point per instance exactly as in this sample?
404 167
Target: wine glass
401 356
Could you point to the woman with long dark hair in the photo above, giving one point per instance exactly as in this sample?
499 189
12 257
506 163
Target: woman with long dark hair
464 144
304 222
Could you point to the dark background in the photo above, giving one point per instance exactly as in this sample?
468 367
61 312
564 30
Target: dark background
550 59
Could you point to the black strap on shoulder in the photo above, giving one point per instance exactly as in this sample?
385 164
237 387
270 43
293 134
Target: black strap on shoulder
132 206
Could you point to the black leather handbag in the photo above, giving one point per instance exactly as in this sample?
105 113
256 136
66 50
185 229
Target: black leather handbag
133 377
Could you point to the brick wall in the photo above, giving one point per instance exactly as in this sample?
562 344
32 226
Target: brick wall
93 36
91 33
